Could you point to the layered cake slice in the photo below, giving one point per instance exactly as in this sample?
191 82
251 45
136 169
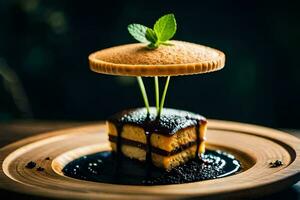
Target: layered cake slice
166 142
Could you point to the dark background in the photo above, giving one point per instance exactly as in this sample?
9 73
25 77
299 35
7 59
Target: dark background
44 47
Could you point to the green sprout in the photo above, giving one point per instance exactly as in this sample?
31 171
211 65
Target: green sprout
144 93
163 96
163 30
156 83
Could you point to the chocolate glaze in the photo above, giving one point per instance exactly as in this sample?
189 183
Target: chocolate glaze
100 167
169 122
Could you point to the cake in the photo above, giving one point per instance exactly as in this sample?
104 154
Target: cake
166 142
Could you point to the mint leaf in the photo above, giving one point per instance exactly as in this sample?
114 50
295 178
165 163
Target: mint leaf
163 30
138 32
165 27
151 36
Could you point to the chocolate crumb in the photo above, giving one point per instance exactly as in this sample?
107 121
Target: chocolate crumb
48 158
40 169
30 165
277 163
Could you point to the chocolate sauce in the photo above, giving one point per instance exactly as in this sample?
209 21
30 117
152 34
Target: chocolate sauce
198 141
99 167
169 122
148 149
119 142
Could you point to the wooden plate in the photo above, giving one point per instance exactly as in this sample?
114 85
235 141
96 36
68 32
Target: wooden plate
254 146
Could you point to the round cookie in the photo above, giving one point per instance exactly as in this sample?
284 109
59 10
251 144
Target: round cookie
177 58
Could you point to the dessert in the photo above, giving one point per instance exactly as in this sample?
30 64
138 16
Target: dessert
165 138
155 145
166 142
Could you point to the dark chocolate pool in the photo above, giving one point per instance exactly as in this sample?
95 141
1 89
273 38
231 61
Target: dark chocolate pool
104 167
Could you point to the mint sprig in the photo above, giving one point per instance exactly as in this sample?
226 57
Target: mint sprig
163 30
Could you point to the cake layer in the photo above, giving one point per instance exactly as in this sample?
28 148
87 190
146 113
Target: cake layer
164 142
166 162
143 146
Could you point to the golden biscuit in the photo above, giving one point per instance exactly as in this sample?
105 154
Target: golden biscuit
178 58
